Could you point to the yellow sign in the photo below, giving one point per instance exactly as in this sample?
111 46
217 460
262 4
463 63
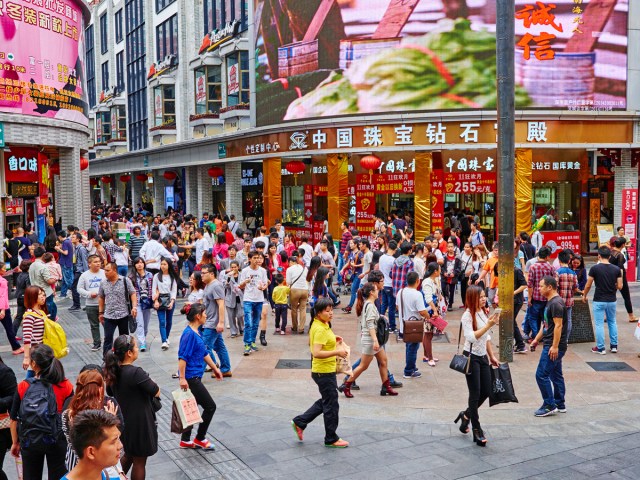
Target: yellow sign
594 218
605 232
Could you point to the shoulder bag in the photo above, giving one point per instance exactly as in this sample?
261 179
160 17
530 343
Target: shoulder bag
413 329
460 362
382 329
131 321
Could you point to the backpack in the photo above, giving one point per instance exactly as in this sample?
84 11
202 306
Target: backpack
55 337
38 419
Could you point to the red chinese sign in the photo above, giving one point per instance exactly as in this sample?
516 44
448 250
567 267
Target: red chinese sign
365 205
558 241
21 165
630 225
481 182
15 206
308 206
437 199
538 14
45 181
320 190
394 183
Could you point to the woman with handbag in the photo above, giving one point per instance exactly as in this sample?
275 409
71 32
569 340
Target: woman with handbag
192 356
8 387
138 397
466 263
450 273
477 346
367 311
432 297
165 291
143 283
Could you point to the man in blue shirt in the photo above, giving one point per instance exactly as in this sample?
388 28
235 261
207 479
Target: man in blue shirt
65 250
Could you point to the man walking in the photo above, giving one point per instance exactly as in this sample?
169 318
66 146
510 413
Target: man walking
89 287
554 334
410 303
136 241
254 281
299 294
65 259
214 326
80 265
385 265
567 284
537 302
608 279
153 251
113 306
40 276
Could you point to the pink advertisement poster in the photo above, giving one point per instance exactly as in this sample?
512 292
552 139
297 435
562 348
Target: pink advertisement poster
42 59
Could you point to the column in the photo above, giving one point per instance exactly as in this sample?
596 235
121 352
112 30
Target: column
86 199
272 190
337 194
136 191
422 195
58 196
523 189
69 184
233 189
191 189
626 176
158 193
205 192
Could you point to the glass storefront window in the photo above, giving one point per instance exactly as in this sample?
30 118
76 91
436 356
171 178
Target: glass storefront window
293 205
119 122
560 202
165 105
103 127
242 94
208 89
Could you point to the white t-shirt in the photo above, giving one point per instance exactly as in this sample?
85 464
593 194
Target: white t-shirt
308 253
366 262
201 245
413 303
257 277
385 265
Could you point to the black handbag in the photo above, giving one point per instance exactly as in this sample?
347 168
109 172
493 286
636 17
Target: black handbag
382 330
501 386
164 299
131 320
460 362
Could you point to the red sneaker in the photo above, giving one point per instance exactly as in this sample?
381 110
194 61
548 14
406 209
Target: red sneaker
204 444
184 444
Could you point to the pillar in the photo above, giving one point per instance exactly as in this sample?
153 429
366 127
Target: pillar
337 194
422 194
205 192
272 190
191 189
86 199
69 184
158 193
626 176
136 191
233 189
523 189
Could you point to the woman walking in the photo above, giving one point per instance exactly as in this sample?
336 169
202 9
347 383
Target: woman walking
165 291
8 387
192 355
368 312
196 288
233 296
325 347
134 391
143 283
466 269
432 297
5 313
450 273
477 346
35 302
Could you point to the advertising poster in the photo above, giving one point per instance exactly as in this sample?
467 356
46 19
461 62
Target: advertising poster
233 82
201 92
365 205
558 241
318 58
630 225
15 206
437 199
42 59
594 219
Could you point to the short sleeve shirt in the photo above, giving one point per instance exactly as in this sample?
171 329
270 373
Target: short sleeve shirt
212 292
321 334
412 301
555 308
116 305
605 276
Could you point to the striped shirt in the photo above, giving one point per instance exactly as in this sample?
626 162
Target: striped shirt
135 244
32 327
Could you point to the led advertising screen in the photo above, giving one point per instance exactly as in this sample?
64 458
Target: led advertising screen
348 57
42 59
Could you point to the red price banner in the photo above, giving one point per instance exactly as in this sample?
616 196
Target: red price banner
15 206
630 225
365 205
437 199
478 182
558 241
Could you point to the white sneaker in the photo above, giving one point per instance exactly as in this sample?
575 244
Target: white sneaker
168 342
165 346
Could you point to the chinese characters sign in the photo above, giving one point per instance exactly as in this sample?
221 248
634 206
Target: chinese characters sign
15 206
558 241
42 59
539 14
21 165
630 225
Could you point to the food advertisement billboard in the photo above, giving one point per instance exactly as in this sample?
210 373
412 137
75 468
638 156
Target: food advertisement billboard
348 57
42 59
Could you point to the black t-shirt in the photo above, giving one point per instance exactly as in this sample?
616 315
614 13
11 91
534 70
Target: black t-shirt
555 309
605 276
518 281
617 259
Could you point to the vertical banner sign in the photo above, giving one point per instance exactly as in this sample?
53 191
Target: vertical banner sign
365 205
233 83
437 199
201 92
630 225
45 180
594 219
308 206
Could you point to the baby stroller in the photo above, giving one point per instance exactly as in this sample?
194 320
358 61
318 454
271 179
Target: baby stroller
347 280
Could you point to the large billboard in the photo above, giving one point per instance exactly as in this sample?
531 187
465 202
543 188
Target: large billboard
42 59
325 58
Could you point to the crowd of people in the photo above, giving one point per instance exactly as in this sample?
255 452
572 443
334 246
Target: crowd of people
236 278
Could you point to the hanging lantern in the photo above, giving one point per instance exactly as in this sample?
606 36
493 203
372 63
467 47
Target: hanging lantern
215 172
84 163
371 163
93 182
54 169
141 177
106 179
170 175
296 167
125 178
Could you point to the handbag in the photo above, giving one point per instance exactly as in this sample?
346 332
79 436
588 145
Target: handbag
176 423
343 365
501 386
412 328
131 321
438 322
460 362
156 404
164 299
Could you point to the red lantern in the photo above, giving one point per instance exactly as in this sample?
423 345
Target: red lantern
84 163
296 167
141 177
125 178
215 172
371 163
54 169
93 182
170 175
106 179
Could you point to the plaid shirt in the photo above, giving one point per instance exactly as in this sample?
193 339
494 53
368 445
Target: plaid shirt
537 272
111 248
567 284
346 236
399 275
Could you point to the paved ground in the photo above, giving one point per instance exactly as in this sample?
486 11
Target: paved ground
409 436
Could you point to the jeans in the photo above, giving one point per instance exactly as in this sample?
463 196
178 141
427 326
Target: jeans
215 343
327 406
67 280
533 318
281 316
52 307
165 317
7 323
339 268
569 322
142 319
389 300
33 460
94 324
411 354
517 335
17 321
109 329
354 289
203 398
74 290
550 380
479 385
600 309
123 270
252 312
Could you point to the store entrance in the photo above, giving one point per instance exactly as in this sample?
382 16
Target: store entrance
476 206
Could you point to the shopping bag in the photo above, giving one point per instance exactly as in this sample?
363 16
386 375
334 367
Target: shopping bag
501 386
176 423
637 332
187 407
343 365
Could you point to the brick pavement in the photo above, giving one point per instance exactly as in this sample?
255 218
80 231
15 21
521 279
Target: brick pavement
395 437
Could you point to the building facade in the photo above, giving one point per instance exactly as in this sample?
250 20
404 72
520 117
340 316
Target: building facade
304 111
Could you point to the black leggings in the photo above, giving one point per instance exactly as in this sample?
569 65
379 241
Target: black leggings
479 384
5 444
464 283
33 460
625 294
208 408
449 294
517 334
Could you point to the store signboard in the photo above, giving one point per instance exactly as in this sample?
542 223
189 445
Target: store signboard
21 165
558 241
594 219
365 205
437 199
42 59
630 225
15 206
483 182
201 92
385 183
233 81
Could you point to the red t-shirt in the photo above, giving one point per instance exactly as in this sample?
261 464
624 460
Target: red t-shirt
62 391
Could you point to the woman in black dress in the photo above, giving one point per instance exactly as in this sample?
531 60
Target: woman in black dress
134 391
8 387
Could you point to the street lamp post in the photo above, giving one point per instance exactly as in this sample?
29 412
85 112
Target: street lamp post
505 45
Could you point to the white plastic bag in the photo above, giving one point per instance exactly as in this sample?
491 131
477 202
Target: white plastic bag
187 407
637 332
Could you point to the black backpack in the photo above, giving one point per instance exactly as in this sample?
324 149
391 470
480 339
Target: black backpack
382 330
38 418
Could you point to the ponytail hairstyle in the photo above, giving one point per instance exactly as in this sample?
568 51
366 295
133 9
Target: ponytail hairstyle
314 265
51 370
363 294
432 268
113 358
191 310
320 284
89 392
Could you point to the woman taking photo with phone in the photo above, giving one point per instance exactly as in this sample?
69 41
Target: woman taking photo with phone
143 282
165 291
476 325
